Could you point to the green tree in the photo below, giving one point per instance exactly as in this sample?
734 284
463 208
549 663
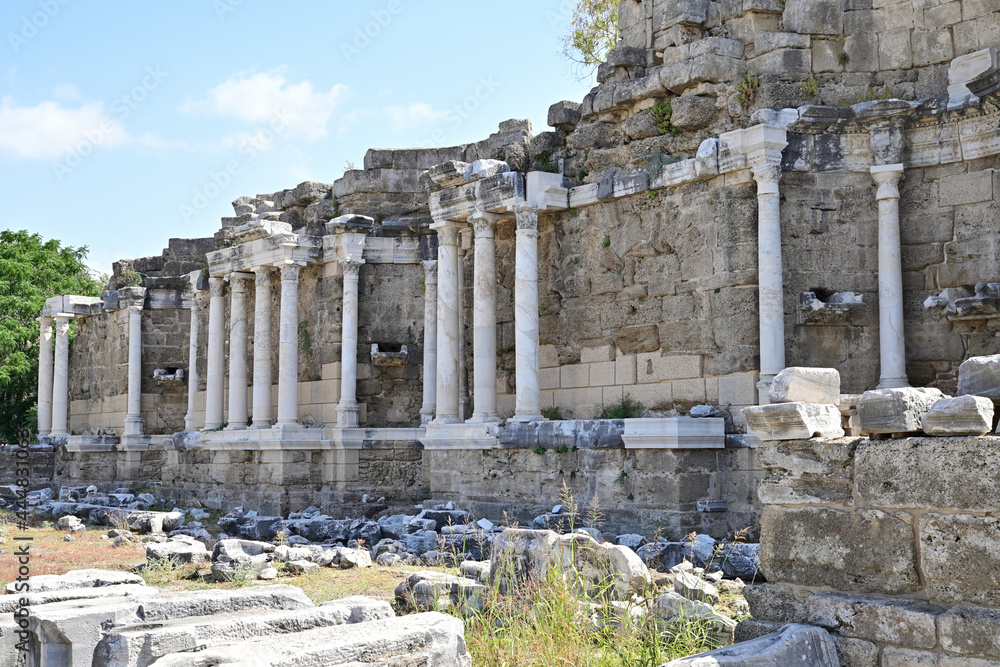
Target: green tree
31 270
594 32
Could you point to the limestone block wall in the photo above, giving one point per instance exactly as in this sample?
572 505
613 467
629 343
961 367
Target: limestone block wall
891 544
98 373
41 461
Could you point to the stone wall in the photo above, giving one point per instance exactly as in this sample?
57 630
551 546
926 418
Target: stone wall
891 544
41 462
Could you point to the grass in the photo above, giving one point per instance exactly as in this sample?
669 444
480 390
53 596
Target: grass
746 91
626 408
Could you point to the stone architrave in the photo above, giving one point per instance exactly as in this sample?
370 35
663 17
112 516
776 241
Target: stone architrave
484 335
133 415
192 377
794 421
60 378
45 376
238 414
965 415
347 408
288 347
764 145
429 405
900 410
215 371
447 328
526 318
806 385
980 376
262 348
890 278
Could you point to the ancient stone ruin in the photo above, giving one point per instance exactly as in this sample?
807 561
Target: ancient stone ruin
772 224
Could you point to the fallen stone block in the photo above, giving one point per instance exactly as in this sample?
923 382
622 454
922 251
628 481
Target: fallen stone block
180 549
430 639
297 567
344 558
693 588
794 421
141 645
980 376
792 645
806 385
672 608
896 410
79 579
964 415
432 591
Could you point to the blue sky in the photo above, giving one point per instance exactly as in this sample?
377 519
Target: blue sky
126 123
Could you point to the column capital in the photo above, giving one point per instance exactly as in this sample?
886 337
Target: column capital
238 281
45 320
217 286
262 275
430 270
887 178
62 323
447 232
766 168
483 224
134 310
290 273
351 267
527 216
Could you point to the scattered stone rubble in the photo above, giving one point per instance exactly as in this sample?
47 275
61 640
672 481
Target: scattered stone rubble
110 619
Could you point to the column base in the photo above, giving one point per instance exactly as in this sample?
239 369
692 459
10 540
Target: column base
261 426
426 416
523 419
241 427
764 388
446 419
133 426
892 383
286 424
347 415
491 418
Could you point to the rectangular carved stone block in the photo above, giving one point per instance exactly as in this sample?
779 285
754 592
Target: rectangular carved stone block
865 551
794 421
958 473
970 630
881 619
959 556
896 410
807 471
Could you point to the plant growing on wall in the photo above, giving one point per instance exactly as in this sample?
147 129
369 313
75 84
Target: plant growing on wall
746 91
31 270
662 113
810 87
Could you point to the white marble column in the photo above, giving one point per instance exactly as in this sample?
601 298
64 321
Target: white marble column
192 362
60 378
215 378
45 376
430 341
347 408
262 344
288 347
463 371
238 413
133 415
766 169
890 278
526 319
484 319
447 329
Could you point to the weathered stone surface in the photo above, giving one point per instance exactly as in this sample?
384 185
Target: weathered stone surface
751 628
958 552
673 606
180 549
969 630
980 376
896 410
894 656
930 473
694 588
564 115
964 415
775 603
45 583
430 639
807 471
792 645
432 591
794 421
806 385
818 546
856 652
882 619
692 112
520 554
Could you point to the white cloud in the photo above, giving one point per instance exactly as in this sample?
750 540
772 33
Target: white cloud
417 114
47 131
267 98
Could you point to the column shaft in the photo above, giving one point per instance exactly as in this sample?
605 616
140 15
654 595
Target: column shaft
463 371
526 319
133 415
262 351
45 376
192 363
890 279
430 341
770 282
347 408
288 347
484 315
238 352
447 330
215 372
60 378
